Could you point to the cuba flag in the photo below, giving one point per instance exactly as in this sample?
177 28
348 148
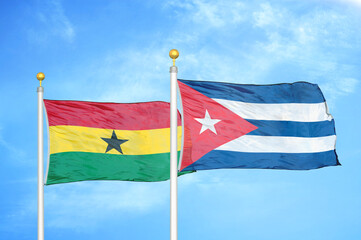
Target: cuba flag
279 126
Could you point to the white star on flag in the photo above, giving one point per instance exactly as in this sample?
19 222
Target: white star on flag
207 123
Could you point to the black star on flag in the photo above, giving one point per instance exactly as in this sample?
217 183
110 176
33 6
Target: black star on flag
114 143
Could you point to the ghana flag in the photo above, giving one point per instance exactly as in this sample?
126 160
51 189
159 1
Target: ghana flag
108 141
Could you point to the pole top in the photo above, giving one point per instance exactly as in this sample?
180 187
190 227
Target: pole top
173 54
40 76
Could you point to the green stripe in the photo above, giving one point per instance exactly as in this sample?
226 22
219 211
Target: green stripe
81 166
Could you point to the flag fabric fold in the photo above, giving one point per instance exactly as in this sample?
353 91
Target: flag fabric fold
108 141
280 126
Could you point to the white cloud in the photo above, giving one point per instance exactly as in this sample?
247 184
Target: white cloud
338 87
267 15
53 22
348 85
211 14
314 44
352 2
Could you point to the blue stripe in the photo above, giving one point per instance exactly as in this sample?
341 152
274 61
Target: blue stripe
293 129
292 161
299 92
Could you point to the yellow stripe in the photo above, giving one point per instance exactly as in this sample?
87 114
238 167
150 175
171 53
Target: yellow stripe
84 139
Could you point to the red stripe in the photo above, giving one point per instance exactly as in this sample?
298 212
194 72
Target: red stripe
122 116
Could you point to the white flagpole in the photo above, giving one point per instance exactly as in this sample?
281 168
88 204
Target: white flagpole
173 148
40 76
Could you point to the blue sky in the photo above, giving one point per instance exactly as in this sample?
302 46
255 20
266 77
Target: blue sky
118 51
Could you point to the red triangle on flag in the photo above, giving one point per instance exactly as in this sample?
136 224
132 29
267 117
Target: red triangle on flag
202 131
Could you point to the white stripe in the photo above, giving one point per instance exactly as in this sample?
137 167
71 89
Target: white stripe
254 143
299 112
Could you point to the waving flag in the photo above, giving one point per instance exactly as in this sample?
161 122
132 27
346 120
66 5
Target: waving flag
108 141
281 126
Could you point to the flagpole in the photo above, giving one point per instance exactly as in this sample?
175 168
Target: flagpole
40 76
173 148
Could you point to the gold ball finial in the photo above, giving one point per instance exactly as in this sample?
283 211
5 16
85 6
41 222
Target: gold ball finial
40 76
173 54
